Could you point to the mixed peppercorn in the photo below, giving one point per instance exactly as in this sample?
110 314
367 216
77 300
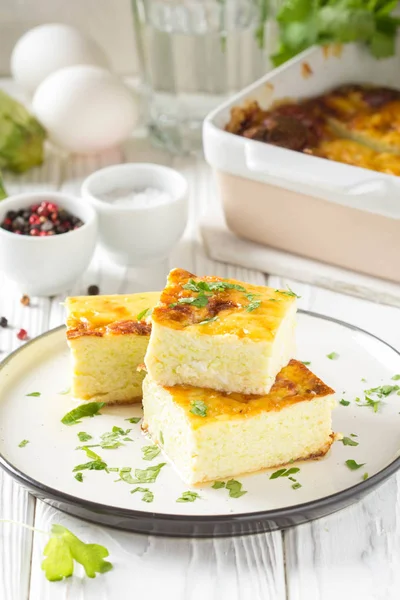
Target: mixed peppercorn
42 220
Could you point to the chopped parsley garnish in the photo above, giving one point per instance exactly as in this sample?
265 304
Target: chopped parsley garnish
374 404
23 443
284 472
188 497
383 390
212 286
134 419
363 380
217 485
35 394
253 305
296 485
150 452
114 438
348 442
198 408
161 438
365 476
90 453
93 465
333 356
210 320
145 313
64 547
353 466
288 292
79 477
84 437
354 435
396 377
235 488
344 402
199 302
148 475
90 409
148 496
306 362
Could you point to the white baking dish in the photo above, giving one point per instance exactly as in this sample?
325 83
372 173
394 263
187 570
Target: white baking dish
340 214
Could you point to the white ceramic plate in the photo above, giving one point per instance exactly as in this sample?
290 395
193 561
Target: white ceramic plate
46 463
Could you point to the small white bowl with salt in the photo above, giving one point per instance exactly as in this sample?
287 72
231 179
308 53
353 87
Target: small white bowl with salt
142 209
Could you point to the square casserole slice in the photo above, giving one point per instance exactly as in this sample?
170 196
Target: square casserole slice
211 435
221 334
108 342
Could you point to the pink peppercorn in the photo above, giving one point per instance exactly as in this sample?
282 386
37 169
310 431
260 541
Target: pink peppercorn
22 334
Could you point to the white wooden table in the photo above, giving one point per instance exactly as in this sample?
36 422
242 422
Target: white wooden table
352 554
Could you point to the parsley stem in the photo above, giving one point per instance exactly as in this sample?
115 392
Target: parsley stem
24 525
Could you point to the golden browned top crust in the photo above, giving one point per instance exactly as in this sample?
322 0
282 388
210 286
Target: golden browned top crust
355 124
212 305
294 383
110 315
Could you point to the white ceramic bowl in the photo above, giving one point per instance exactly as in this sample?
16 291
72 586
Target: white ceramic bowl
138 236
45 266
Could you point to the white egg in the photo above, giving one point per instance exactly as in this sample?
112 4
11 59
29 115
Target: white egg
85 109
48 48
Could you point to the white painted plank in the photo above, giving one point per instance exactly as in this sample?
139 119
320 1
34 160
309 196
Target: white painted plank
248 568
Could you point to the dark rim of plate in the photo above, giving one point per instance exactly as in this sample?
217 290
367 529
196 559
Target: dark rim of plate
192 524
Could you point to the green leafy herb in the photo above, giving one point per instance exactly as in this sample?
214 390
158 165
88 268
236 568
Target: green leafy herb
23 443
306 362
348 442
235 489
353 466
188 497
354 435
134 420
292 478
365 476
199 302
145 313
161 438
35 394
396 377
333 356
64 547
90 453
363 380
90 409
284 472
296 485
141 475
374 404
150 452
344 402
383 390
112 469
83 436
253 305
210 320
287 292
217 485
93 465
198 408
212 286
79 477
114 438
148 496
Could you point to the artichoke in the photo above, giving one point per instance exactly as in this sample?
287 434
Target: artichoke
21 136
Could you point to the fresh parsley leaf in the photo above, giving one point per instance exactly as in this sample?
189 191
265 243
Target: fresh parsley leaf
365 476
296 485
90 409
198 408
333 356
148 475
93 465
212 286
114 438
306 362
134 419
288 292
150 452
353 466
277 474
64 547
79 477
210 320
396 377
284 472
83 436
148 496
145 313
23 443
374 404
35 394
354 435
292 478
346 441
383 390
199 302
112 469
161 438
217 485
235 489
127 439
253 305
363 380
344 402
188 497
90 453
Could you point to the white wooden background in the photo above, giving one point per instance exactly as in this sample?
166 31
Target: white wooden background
351 555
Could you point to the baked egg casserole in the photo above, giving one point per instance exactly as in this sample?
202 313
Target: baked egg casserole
210 435
108 337
221 334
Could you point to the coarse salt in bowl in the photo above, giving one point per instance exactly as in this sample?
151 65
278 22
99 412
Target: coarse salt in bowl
142 209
